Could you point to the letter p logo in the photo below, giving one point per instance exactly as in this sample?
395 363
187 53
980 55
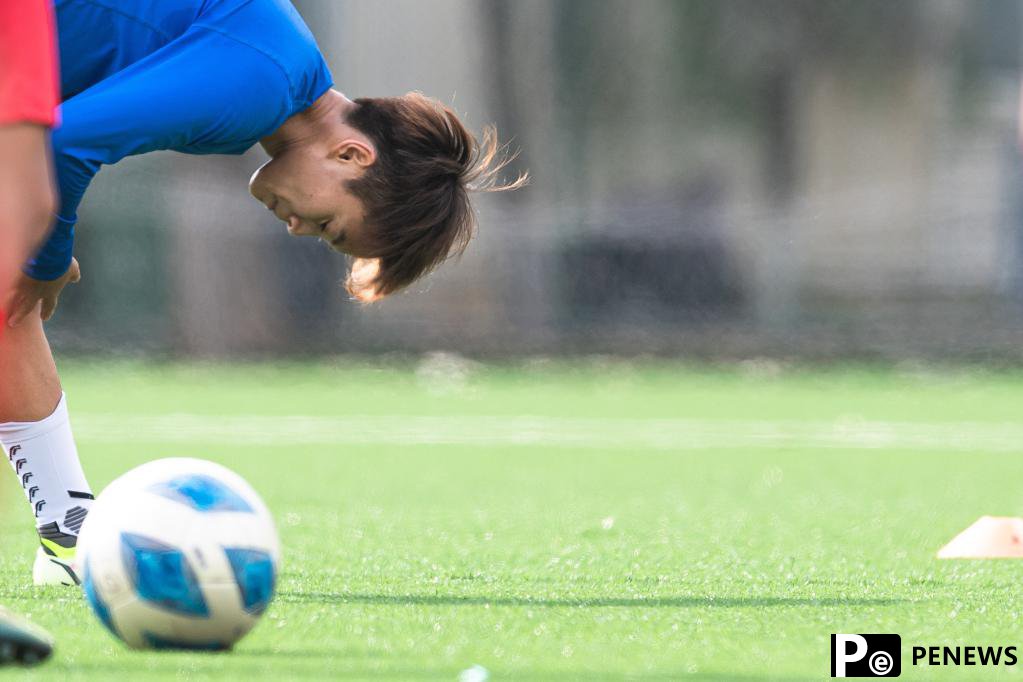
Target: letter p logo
846 649
873 655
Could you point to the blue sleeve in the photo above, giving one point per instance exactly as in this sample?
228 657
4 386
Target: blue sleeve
202 93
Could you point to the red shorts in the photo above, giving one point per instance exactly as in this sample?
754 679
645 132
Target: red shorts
29 82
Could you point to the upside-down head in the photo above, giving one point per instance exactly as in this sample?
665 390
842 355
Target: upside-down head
390 186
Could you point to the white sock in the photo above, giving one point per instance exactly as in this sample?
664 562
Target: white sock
45 459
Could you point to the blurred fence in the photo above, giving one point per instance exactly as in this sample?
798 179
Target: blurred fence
715 177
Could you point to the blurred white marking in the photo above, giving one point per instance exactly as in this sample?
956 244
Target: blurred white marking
440 373
477 673
547 432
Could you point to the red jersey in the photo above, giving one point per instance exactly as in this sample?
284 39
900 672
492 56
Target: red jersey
29 83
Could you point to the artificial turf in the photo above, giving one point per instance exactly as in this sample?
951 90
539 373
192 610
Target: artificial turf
547 520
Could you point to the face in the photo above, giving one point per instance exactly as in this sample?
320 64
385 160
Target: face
305 186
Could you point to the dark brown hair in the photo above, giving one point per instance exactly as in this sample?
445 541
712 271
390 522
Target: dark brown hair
416 193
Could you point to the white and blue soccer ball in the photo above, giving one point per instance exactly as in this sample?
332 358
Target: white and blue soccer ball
179 553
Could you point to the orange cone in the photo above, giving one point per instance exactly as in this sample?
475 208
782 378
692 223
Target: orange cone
990 537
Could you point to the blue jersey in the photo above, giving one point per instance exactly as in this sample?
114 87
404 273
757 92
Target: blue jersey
194 76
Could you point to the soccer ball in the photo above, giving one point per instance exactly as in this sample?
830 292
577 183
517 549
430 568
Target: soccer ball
178 554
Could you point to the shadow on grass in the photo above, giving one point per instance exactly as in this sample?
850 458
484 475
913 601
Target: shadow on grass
342 669
172 665
624 602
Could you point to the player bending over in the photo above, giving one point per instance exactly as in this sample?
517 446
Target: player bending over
383 180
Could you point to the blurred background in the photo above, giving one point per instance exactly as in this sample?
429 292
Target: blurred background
711 178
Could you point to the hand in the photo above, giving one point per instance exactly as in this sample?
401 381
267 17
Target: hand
29 294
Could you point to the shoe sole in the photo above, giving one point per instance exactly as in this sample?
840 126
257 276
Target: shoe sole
71 573
44 573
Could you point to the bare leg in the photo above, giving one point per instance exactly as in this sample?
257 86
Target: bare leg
26 193
35 430
29 384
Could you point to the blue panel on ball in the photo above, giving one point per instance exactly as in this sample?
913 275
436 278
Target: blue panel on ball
99 607
161 575
157 642
202 493
254 571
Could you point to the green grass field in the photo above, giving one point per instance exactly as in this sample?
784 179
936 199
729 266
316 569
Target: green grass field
563 521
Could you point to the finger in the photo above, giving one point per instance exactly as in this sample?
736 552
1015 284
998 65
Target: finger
16 311
49 305
22 309
9 306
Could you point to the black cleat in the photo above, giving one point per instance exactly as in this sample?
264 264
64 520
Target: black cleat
21 642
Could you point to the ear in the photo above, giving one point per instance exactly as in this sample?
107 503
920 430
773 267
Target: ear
355 151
